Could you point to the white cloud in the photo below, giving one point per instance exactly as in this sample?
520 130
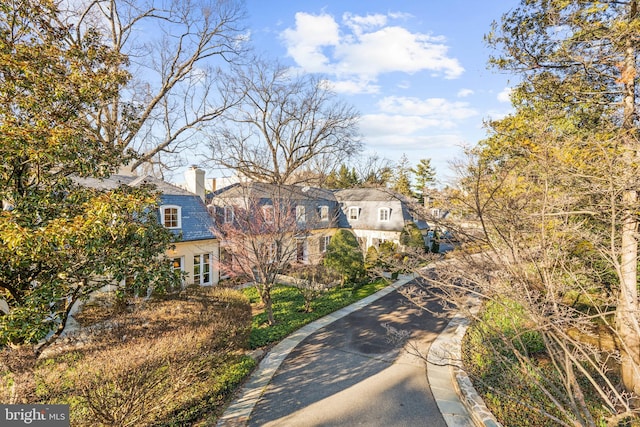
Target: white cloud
365 47
463 93
505 95
361 23
438 108
352 87
305 43
389 125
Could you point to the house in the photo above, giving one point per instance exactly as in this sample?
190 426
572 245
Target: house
313 210
377 215
184 214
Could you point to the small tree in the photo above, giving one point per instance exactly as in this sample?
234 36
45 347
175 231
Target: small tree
344 256
402 178
259 237
411 237
425 175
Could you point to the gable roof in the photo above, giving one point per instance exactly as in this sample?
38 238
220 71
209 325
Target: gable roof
195 219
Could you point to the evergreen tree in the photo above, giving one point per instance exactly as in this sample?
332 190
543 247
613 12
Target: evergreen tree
59 241
344 256
402 178
425 175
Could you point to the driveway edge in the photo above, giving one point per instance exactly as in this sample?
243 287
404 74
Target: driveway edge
465 407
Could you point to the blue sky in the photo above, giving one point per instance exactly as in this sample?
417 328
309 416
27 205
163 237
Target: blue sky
415 70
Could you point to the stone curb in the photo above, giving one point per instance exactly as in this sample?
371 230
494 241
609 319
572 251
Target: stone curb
445 359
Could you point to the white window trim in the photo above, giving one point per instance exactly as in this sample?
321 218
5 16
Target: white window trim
387 212
202 272
324 243
323 212
268 214
357 211
178 209
301 214
228 214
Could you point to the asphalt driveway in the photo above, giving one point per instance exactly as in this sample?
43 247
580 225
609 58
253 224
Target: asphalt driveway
352 372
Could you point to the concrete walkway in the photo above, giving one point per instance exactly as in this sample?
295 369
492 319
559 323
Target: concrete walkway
446 379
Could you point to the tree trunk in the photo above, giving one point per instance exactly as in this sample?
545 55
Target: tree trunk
627 309
265 297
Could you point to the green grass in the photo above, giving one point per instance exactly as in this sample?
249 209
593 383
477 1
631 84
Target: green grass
288 309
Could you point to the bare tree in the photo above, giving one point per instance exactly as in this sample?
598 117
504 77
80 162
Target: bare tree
284 123
547 204
266 231
374 171
175 52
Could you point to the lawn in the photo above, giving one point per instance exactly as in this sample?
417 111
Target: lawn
289 313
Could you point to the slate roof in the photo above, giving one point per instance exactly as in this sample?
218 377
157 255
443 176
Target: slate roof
369 200
196 221
265 190
311 198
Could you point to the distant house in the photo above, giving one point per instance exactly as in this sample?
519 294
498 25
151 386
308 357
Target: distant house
184 214
315 211
377 215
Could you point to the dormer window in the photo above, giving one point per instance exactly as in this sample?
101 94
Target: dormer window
171 216
301 215
228 214
384 214
354 213
323 213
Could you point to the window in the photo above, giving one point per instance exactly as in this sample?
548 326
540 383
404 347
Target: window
228 214
383 214
301 251
301 215
170 216
324 243
354 213
202 269
323 213
435 212
177 264
267 214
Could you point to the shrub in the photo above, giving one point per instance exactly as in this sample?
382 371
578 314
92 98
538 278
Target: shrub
411 237
344 256
175 358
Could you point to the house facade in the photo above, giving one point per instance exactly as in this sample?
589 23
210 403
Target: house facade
313 214
185 215
374 215
377 215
